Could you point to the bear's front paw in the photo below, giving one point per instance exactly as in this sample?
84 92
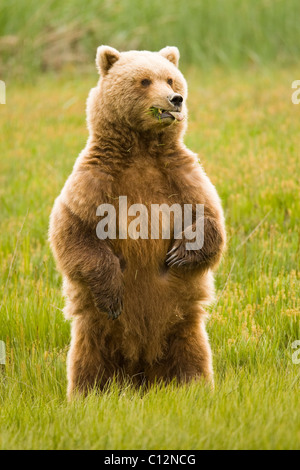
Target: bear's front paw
179 256
115 309
112 305
203 258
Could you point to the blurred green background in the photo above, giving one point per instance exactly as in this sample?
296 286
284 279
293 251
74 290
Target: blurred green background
50 35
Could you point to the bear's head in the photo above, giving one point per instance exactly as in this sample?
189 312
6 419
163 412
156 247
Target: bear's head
139 90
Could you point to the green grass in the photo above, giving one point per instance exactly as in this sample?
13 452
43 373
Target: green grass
247 133
54 33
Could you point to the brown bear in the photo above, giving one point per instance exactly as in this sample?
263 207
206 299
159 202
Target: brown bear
136 303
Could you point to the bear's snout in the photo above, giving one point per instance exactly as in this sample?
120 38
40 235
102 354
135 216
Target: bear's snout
176 100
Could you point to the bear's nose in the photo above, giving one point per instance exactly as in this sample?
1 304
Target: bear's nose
176 99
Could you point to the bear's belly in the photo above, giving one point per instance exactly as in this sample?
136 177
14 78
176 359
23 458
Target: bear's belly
154 303
154 290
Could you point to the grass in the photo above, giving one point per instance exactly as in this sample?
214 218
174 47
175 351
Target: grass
156 112
52 34
246 131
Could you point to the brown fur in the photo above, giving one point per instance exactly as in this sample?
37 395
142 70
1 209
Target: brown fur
160 333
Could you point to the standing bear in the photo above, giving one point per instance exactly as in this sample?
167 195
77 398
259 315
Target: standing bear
136 302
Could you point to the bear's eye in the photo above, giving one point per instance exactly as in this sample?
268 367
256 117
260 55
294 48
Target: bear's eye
170 81
146 82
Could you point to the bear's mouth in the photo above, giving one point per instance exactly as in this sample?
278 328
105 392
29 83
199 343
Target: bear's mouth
162 114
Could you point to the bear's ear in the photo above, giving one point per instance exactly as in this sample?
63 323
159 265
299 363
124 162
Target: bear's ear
105 58
171 53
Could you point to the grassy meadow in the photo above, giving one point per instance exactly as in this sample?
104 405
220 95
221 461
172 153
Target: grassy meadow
246 130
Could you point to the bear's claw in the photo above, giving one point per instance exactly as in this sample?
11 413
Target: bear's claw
179 257
114 311
173 256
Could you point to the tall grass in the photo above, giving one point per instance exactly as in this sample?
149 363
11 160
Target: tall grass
37 36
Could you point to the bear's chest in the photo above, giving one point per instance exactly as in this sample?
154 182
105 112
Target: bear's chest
155 184
148 202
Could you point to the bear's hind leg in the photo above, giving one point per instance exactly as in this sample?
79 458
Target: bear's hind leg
188 356
88 364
